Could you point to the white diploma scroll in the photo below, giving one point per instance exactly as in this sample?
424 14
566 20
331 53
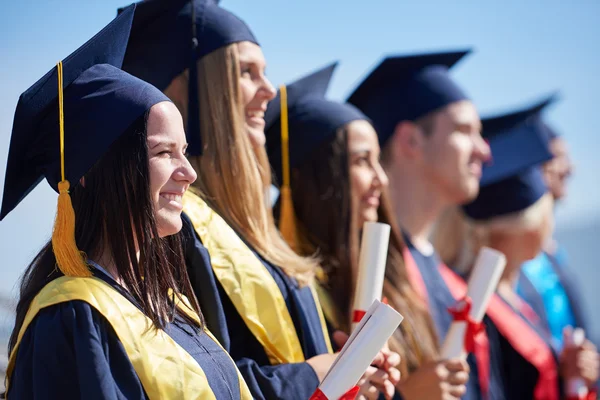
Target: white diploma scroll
482 285
371 268
369 337
576 388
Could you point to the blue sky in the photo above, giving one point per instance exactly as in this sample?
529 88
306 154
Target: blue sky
523 50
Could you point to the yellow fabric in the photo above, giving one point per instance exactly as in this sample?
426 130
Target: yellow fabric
247 282
287 219
330 310
68 257
165 369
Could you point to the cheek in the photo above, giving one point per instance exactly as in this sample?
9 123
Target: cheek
360 181
247 90
160 172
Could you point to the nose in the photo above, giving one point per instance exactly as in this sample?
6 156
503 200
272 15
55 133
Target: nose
267 89
186 172
481 148
381 179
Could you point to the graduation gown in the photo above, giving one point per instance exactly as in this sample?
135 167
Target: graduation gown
519 374
521 365
435 291
88 338
266 321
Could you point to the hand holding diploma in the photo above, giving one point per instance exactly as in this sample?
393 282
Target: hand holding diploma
371 334
470 310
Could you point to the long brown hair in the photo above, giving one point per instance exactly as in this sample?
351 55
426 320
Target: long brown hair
115 216
322 203
233 175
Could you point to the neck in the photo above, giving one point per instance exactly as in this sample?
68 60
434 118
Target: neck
415 202
510 276
106 261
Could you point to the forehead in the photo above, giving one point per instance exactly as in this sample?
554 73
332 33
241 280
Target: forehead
250 52
165 123
462 113
361 134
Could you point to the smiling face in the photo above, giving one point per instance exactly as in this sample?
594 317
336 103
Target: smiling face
170 172
367 177
256 90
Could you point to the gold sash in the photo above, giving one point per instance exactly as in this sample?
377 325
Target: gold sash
164 368
247 282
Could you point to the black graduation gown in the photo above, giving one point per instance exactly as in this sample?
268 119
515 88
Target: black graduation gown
71 349
266 381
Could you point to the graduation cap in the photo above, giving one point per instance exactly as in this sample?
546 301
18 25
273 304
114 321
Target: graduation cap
67 120
170 36
297 121
405 88
311 118
513 181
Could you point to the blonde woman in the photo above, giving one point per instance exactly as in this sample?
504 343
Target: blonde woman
513 214
264 310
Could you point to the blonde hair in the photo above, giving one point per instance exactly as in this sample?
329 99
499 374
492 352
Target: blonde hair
457 238
233 175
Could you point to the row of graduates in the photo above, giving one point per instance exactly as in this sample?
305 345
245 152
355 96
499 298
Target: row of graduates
166 275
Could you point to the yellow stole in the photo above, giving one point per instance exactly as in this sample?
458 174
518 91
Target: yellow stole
249 285
164 368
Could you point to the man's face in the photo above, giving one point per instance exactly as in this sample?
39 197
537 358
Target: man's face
454 152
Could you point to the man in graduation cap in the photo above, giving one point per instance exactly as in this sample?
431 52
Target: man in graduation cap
433 152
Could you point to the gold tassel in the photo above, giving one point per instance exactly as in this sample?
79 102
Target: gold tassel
287 218
69 259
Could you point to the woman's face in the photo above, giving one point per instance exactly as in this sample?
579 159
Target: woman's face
367 177
170 172
256 90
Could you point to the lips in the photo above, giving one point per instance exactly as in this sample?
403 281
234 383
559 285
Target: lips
372 200
255 118
174 200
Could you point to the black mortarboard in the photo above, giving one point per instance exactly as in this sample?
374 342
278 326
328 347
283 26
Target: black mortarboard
312 119
170 36
512 181
100 103
405 88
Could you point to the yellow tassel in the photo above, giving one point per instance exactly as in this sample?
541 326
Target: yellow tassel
287 218
69 259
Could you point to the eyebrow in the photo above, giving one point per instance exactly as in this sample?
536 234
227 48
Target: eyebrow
168 143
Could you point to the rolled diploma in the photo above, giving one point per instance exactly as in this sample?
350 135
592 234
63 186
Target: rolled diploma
371 266
577 387
482 284
369 337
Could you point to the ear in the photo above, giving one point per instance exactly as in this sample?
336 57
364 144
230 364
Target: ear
407 140
82 181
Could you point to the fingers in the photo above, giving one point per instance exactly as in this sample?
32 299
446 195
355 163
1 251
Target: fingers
456 365
340 338
458 378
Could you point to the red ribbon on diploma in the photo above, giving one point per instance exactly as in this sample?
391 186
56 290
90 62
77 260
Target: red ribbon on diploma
349 395
358 314
460 312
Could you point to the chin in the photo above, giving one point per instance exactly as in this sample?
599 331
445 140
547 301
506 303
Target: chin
369 215
256 135
168 227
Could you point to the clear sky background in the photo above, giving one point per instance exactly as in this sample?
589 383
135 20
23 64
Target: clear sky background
523 51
